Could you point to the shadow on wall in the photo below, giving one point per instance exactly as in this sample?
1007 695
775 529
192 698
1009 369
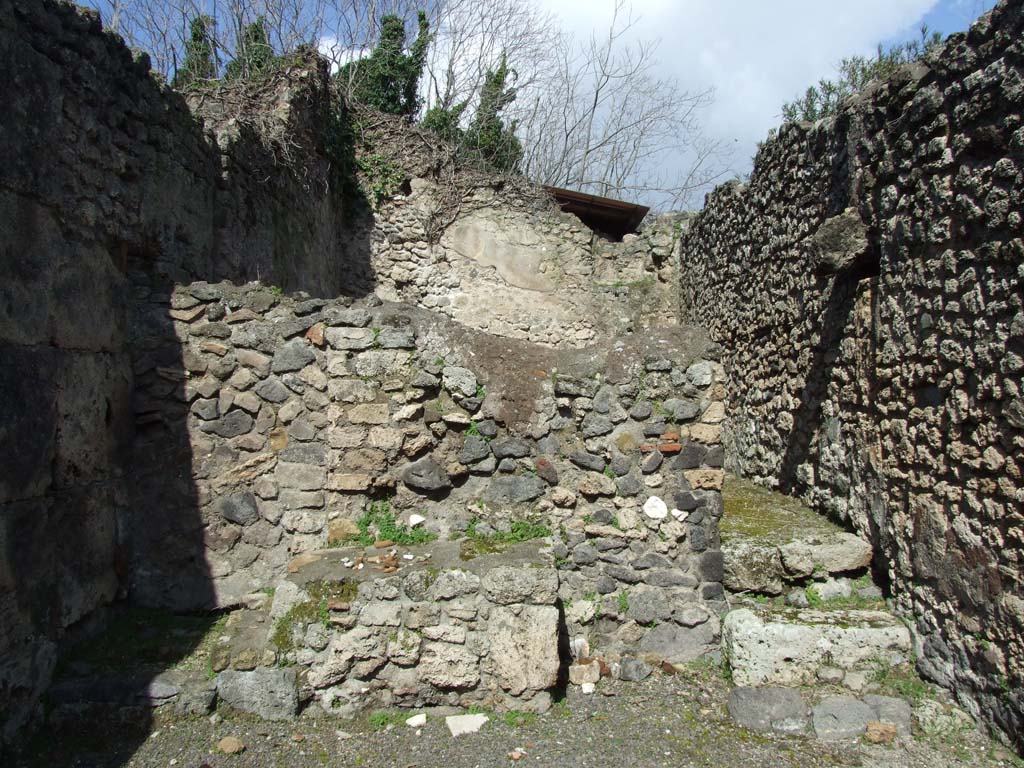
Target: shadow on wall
132 547
290 211
112 672
808 417
110 194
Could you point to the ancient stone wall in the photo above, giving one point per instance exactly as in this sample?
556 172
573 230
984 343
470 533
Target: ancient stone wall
866 284
438 628
496 254
104 173
130 398
313 423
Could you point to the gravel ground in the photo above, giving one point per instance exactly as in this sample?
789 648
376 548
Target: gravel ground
666 721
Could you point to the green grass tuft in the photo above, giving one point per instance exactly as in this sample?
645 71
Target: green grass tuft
520 530
378 524
623 601
382 718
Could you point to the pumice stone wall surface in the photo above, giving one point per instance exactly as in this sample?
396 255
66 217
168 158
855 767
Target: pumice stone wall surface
867 285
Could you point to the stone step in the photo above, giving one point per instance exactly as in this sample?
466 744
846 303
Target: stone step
186 692
778 646
818 712
413 627
770 541
829 718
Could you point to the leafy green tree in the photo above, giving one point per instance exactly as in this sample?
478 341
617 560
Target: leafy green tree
488 137
388 79
855 73
445 122
200 61
255 55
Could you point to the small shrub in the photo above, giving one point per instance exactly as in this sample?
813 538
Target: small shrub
380 177
855 73
445 121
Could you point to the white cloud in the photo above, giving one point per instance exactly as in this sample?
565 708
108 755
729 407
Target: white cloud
338 54
755 53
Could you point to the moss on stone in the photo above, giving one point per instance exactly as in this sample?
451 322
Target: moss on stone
476 544
313 610
753 512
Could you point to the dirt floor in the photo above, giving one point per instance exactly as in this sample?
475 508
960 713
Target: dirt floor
667 720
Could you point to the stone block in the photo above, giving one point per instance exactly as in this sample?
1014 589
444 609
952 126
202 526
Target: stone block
839 718
781 710
369 413
270 693
523 643
505 585
448 666
788 648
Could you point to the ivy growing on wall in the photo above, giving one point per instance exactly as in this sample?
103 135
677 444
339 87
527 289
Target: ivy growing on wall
200 63
445 122
388 79
255 57
487 139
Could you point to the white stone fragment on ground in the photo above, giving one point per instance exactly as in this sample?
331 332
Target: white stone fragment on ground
655 508
461 724
587 688
417 721
581 673
415 520
680 515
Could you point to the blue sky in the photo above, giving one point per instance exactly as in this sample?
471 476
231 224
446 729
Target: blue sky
759 53
951 16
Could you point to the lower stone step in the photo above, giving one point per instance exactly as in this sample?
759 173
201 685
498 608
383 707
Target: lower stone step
817 712
434 629
833 718
187 693
800 647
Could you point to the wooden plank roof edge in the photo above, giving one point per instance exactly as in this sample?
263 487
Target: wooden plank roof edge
597 200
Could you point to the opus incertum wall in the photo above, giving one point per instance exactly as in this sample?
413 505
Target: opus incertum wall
104 173
867 286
